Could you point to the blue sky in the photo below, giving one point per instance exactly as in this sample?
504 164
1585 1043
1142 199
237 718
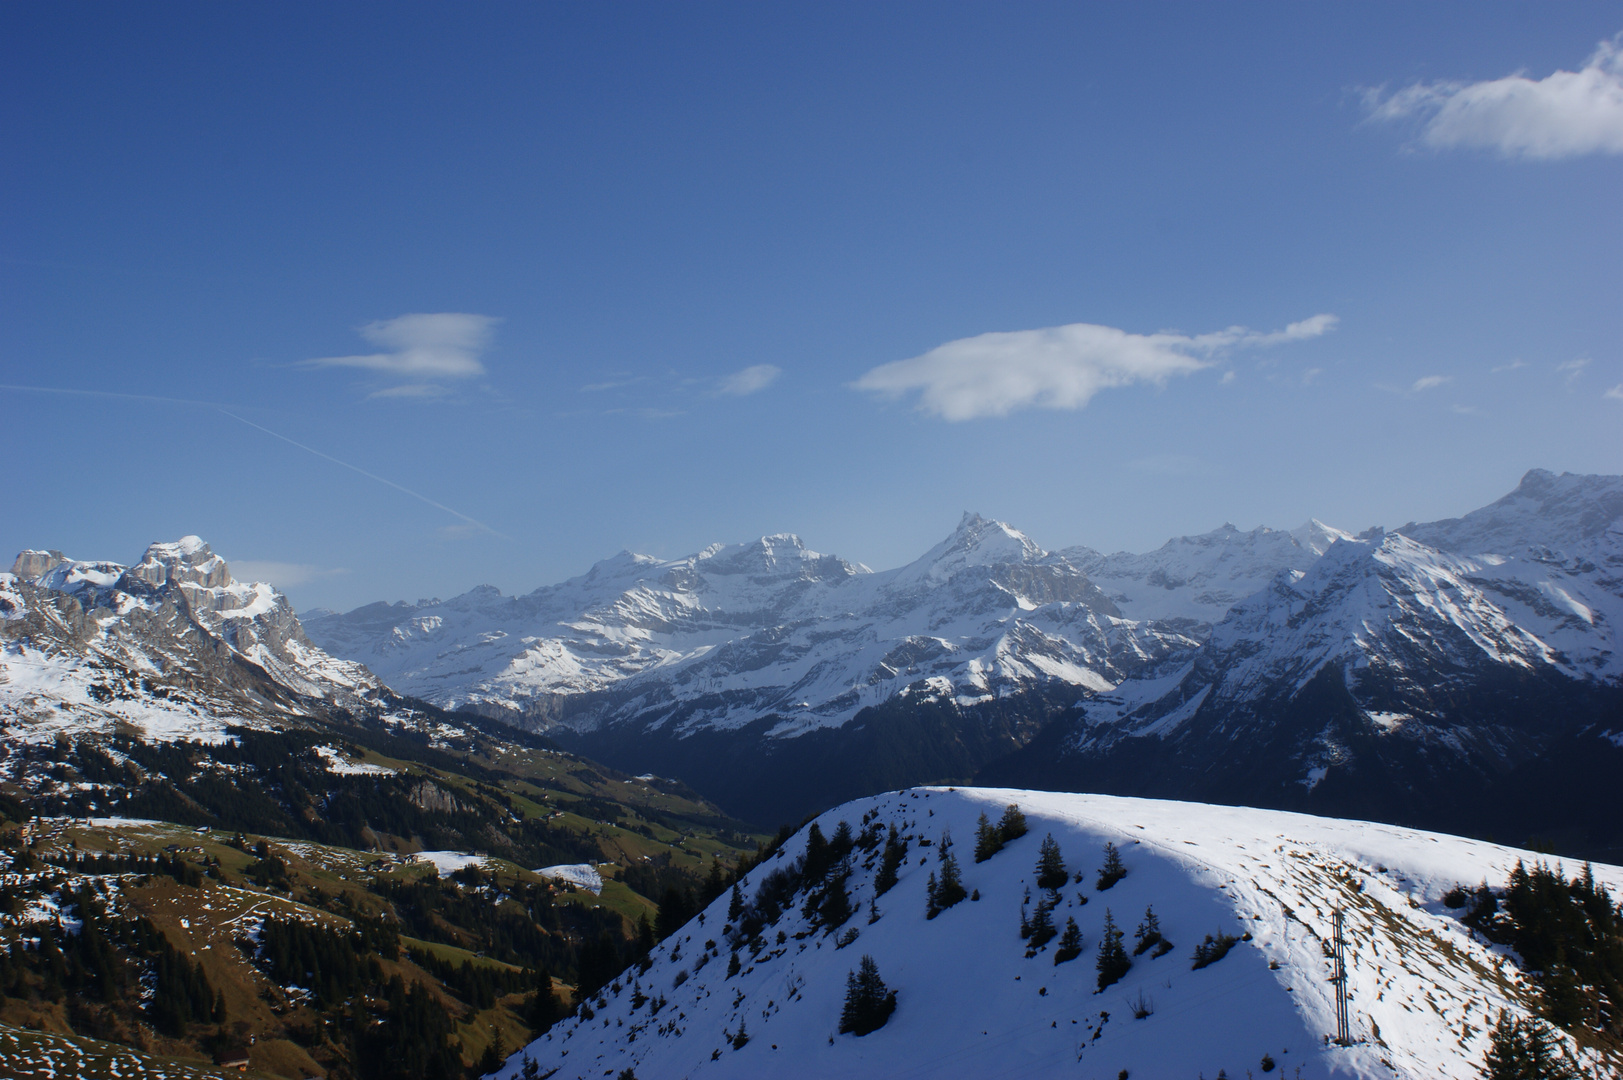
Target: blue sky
408 298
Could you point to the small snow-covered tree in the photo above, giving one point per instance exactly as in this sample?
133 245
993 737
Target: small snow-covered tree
1112 963
1012 826
890 862
1112 871
988 841
1148 935
836 906
1051 872
1070 943
815 863
1042 926
949 890
868 1001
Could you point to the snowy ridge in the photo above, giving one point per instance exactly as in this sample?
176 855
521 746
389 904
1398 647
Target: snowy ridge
970 1003
1201 577
1566 513
1401 625
171 647
739 631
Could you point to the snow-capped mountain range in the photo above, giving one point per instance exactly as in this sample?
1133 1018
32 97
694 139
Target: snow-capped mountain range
1388 674
768 628
725 997
171 647
1485 645
1469 642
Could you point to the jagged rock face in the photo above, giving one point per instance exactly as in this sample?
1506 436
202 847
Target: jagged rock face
171 646
737 632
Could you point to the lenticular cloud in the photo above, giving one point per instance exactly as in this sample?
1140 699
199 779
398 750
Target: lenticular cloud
1059 367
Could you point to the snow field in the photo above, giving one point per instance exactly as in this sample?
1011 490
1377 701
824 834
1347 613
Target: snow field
970 1004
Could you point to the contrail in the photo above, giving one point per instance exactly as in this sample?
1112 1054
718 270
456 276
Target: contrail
368 475
217 407
111 394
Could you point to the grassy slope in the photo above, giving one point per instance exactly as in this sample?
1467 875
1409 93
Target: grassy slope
621 820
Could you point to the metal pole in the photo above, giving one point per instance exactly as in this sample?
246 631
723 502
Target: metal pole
1343 1027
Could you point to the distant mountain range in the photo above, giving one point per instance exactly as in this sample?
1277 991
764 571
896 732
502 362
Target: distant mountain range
1382 674
1454 674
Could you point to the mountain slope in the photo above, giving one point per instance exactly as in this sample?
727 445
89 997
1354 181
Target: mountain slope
1391 679
970 1001
1435 662
171 647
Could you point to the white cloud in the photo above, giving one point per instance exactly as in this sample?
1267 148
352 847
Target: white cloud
1060 367
1566 114
1430 382
1615 393
1512 366
426 349
1228 377
411 390
750 380
281 574
1573 369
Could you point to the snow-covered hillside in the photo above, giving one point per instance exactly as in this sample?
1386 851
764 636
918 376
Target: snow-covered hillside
171 647
970 1002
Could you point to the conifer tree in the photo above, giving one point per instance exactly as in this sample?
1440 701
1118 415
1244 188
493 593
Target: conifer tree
1012 826
1112 871
1051 872
836 906
1042 927
816 860
988 840
890 862
1526 1050
841 843
950 889
495 1053
1148 935
735 906
1113 962
1070 942
868 1002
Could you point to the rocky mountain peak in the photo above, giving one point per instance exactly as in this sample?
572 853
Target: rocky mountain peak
185 561
34 564
1563 512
